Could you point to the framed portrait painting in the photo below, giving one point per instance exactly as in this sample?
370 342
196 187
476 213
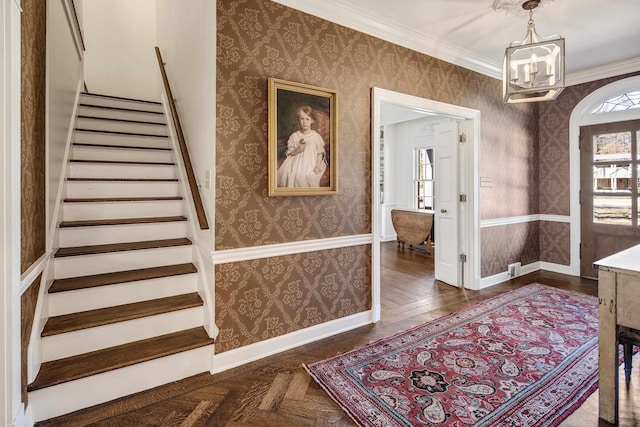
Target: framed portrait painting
302 139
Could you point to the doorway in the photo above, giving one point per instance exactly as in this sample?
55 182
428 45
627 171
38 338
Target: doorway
586 113
609 179
466 244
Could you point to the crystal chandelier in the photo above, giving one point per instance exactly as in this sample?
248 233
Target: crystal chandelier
533 68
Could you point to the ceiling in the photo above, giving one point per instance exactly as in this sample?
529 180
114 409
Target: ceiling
602 37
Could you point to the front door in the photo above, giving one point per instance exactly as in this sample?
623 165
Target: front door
609 181
446 206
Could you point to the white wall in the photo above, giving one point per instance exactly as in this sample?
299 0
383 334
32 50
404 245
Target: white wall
64 73
400 141
120 36
187 41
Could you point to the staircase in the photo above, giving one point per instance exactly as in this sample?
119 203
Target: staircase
124 312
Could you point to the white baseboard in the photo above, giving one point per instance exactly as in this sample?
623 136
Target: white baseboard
485 282
558 268
234 358
23 418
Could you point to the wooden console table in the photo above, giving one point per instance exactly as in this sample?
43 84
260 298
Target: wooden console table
619 299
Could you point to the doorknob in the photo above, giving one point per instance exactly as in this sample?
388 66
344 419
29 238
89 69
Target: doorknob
443 211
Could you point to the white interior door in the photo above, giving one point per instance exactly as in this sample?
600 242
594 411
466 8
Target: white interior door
446 209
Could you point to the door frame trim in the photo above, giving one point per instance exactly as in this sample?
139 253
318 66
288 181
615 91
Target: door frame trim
469 218
581 116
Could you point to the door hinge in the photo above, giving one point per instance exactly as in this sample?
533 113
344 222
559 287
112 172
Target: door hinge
463 137
463 257
463 198
580 250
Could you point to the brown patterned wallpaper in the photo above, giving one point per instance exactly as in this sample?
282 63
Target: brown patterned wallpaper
258 39
261 299
28 301
506 244
33 53
554 167
555 242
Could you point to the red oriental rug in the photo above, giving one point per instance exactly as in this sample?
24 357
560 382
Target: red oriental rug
525 358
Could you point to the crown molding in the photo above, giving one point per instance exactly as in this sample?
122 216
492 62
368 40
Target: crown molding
337 12
603 72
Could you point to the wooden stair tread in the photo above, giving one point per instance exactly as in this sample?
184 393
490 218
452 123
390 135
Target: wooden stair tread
121 221
112 119
122 162
125 179
95 280
114 132
96 362
119 199
119 247
121 98
121 313
133 147
108 107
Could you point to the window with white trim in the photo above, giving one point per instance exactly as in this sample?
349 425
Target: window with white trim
424 174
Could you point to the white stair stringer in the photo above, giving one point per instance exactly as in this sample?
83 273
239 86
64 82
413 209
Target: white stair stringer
125 311
74 395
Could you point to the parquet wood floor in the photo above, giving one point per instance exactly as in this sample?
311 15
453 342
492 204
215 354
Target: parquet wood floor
277 392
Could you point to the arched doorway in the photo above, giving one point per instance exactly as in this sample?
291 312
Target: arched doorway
583 115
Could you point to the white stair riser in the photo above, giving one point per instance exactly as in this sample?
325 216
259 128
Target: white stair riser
118 170
120 126
78 189
120 293
86 340
103 235
84 265
74 395
108 113
84 152
78 211
118 139
120 103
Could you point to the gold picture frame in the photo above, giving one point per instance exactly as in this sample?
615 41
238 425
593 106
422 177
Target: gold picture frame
302 139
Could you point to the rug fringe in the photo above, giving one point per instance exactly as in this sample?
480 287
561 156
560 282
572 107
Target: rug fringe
344 409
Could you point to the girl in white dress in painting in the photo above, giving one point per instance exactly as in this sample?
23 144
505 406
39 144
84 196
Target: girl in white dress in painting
305 161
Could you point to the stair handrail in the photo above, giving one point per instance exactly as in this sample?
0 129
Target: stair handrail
191 177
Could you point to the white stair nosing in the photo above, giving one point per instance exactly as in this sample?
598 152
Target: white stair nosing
74 395
100 337
103 296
